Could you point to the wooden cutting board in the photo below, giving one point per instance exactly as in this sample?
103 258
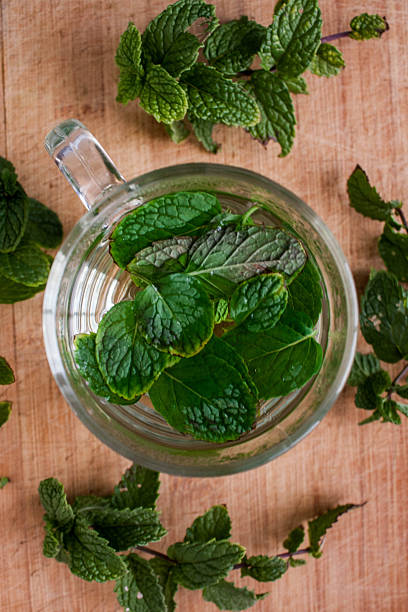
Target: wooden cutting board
58 62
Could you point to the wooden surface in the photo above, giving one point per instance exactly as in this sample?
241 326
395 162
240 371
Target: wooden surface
57 62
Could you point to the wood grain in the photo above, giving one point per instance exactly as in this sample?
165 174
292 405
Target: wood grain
57 62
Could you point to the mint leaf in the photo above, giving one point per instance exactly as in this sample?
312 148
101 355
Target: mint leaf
277 112
176 315
88 504
27 265
365 198
221 311
223 258
327 62
125 528
177 131
292 39
160 259
43 226
232 46
203 132
384 317
128 363
54 500
319 526
165 40
214 524
280 359
226 596
53 540
6 373
138 486
217 99
128 58
138 590
11 292
180 214
13 208
367 26
368 391
363 367
402 390
162 97
164 572
393 248
259 302
201 564
388 411
295 539
296 562
89 556
305 293
264 568
296 85
3 481
85 359
5 411
206 396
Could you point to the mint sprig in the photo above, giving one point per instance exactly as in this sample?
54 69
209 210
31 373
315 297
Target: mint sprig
26 227
384 310
190 92
77 534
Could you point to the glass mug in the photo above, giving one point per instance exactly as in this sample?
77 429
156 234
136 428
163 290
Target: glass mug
84 283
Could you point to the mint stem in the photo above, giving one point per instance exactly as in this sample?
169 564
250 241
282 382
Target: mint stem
396 380
327 39
155 553
287 555
403 218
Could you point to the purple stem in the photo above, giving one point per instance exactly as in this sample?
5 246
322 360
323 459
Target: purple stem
327 39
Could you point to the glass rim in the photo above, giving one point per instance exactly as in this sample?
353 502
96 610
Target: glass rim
234 172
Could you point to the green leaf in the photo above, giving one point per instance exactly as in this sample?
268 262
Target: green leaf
292 39
160 259
3 481
365 198
6 373
223 258
85 358
259 302
232 46
88 504
215 98
368 391
11 292
280 359
201 564
206 395
389 412
294 539
363 367
54 500
89 556
129 86
13 208
384 317
5 411
176 315
327 62
403 408
319 526
126 528
221 311
177 131
43 226
393 248
27 265
305 293
128 58
180 214
138 486
164 572
296 85
226 596
277 112
402 390
264 568
296 562
165 40
162 97
53 540
139 590
367 26
128 363
203 132
214 524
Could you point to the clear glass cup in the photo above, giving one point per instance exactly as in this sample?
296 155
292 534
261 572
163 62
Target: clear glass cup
84 283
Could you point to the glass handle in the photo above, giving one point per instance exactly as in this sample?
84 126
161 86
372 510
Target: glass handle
83 162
